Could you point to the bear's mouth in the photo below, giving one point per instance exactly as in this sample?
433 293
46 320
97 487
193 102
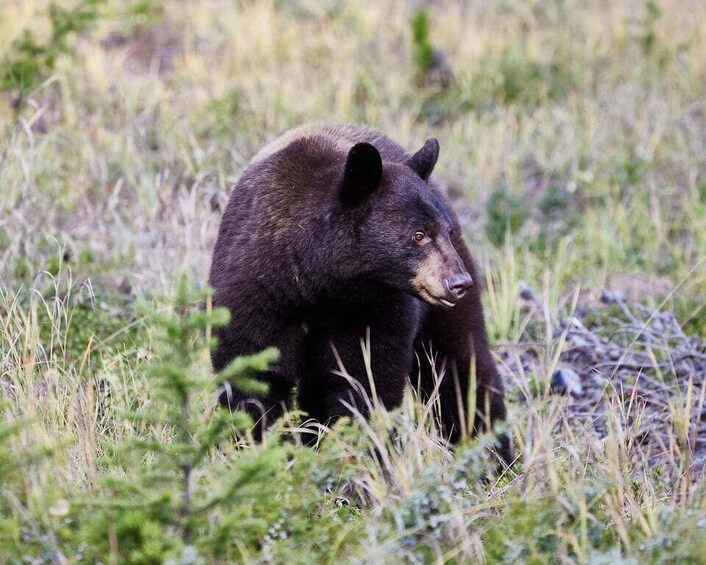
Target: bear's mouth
435 300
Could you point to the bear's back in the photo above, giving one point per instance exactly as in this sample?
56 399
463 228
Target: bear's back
338 137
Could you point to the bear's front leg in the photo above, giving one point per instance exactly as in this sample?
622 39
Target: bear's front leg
358 358
245 339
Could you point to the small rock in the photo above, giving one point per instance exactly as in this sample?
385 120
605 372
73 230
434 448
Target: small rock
599 381
125 287
610 297
567 381
526 292
614 354
579 341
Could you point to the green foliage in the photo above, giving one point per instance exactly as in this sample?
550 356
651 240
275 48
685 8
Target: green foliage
540 530
691 312
156 495
631 172
677 538
422 50
424 517
89 327
554 202
9 462
32 60
507 214
145 9
510 77
10 465
527 533
22 526
518 78
602 317
558 219
648 40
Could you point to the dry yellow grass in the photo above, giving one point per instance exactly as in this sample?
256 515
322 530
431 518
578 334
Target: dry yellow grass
118 165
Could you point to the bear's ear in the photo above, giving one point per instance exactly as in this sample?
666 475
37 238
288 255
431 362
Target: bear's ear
362 173
424 160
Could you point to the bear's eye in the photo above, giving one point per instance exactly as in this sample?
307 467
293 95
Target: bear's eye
419 236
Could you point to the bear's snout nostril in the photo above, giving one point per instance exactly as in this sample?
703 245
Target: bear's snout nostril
458 285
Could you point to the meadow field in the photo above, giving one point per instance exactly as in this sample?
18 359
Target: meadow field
573 146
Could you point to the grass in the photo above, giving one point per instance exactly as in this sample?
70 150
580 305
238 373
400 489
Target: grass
573 146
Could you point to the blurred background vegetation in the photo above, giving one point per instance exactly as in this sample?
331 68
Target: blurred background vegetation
573 140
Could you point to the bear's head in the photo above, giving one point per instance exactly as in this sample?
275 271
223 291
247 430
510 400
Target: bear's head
402 228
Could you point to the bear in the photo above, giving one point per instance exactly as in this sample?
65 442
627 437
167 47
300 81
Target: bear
334 237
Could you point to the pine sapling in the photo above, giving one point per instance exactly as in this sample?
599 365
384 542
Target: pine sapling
155 510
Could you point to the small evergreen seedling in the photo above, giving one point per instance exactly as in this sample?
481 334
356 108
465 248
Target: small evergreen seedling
22 527
156 510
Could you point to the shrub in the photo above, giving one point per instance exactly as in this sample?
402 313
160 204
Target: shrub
32 60
155 509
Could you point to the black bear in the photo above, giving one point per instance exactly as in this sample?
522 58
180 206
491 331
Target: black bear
335 234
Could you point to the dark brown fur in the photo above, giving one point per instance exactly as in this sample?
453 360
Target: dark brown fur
315 254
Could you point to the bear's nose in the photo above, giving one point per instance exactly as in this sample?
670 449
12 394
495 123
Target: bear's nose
458 285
